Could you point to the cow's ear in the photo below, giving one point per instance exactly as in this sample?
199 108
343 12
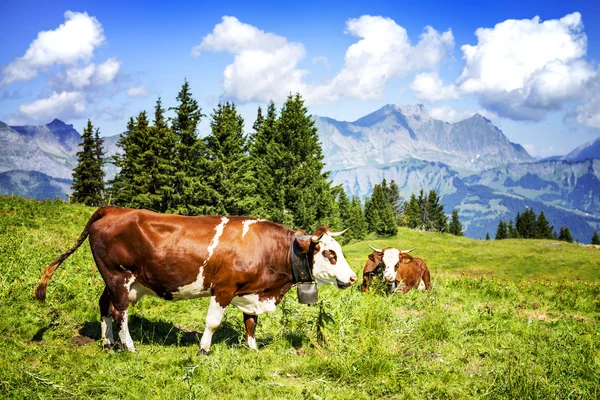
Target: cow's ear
371 257
406 258
303 243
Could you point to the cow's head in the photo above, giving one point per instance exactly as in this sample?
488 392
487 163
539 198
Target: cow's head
328 261
390 257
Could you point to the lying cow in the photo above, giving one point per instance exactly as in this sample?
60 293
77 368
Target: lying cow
233 260
398 267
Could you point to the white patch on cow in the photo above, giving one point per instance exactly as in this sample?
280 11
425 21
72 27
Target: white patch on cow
129 282
421 285
125 336
213 320
137 291
252 343
196 288
250 304
247 224
391 257
106 330
324 271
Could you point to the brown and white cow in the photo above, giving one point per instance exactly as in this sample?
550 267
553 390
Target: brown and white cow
233 260
398 267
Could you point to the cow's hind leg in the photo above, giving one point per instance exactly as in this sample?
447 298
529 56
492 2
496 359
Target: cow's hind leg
213 320
250 321
106 320
120 317
427 279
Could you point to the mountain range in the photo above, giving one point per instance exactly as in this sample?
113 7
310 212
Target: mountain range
470 163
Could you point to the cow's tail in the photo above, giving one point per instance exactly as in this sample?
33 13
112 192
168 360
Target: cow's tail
40 291
427 278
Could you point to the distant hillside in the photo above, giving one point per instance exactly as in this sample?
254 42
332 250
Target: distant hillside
33 184
586 151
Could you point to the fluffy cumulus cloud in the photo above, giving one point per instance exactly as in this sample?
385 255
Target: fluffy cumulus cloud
65 57
384 51
429 86
451 114
266 65
522 69
71 42
137 91
64 105
91 75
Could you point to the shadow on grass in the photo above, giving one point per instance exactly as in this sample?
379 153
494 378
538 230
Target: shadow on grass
165 333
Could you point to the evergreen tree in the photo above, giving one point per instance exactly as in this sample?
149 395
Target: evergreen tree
422 202
543 228
437 220
565 235
298 164
526 224
502 231
393 194
512 231
380 216
227 151
487 236
356 221
455 227
88 177
412 213
595 238
192 190
265 152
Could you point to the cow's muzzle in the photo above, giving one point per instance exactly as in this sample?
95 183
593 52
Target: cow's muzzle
344 285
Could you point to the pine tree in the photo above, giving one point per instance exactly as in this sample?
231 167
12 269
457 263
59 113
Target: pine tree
543 228
411 216
595 238
122 187
437 220
422 202
512 231
565 235
227 151
487 236
298 165
502 231
455 227
88 177
356 221
192 190
393 194
526 224
379 213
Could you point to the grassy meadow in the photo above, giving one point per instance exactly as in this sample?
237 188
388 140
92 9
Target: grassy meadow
513 319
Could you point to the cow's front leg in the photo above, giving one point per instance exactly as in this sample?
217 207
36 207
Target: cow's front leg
213 320
250 321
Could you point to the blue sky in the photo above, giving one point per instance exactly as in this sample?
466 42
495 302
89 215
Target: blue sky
536 78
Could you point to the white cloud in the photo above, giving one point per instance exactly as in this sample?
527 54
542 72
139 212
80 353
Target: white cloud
71 42
522 69
265 66
137 91
450 114
90 75
429 86
383 52
64 105
588 112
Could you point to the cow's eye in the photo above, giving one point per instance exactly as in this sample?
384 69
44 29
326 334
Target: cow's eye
330 255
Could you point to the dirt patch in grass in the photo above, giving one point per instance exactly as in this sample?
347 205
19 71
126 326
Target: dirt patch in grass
540 315
401 312
81 340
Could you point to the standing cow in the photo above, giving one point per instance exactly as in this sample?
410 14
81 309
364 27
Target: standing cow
398 267
242 261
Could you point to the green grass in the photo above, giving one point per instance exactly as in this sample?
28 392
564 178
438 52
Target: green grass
505 319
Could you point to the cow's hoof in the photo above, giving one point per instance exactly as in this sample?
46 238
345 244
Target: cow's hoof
108 347
205 352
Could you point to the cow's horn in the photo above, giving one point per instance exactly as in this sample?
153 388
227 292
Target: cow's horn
407 251
375 249
334 234
316 239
